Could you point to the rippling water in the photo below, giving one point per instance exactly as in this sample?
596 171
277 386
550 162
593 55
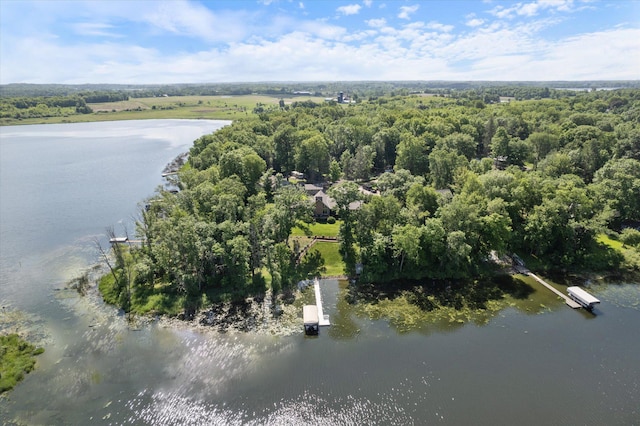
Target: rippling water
62 185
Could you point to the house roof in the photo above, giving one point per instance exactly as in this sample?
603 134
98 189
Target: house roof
355 205
331 203
312 188
326 200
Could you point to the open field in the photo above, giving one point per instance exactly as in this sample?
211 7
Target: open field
171 107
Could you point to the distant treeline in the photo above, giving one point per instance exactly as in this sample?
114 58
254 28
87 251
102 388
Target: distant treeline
37 107
361 89
21 101
54 106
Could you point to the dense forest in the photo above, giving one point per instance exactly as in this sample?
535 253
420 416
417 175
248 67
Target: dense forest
455 182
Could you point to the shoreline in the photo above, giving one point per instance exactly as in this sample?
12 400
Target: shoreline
259 315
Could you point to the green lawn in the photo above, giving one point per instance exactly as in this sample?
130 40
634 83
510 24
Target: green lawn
631 255
319 230
332 259
608 241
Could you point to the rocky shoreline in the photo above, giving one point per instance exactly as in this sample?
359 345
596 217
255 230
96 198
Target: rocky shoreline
253 316
256 315
175 164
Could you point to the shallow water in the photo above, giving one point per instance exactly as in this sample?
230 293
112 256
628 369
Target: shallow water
62 185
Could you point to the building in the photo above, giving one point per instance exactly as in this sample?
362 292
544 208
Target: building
312 189
323 205
310 319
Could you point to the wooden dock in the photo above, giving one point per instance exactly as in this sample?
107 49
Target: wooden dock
124 240
569 301
323 320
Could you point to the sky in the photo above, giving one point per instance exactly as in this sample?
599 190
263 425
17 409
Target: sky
189 41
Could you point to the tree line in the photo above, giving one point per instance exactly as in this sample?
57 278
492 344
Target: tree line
457 182
54 106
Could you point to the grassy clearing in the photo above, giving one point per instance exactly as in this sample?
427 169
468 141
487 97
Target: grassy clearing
630 254
17 358
319 230
332 259
608 241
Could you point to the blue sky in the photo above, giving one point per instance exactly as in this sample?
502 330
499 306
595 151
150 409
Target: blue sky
182 41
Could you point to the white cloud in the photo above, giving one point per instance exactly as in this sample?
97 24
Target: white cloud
407 11
529 9
439 27
351 9
304 56
501 12
234 46
195 20
614 54
301 5
367 3
376 23
359 36
533 8
95 29
322 30
474 22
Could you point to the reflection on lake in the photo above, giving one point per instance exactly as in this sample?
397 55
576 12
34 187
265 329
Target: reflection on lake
534 362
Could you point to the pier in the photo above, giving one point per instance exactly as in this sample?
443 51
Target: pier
569 301
124 240
323 320
521 268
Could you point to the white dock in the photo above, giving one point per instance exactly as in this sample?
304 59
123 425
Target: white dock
323 320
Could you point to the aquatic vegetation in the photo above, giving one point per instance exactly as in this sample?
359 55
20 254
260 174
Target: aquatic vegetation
17 358
418 306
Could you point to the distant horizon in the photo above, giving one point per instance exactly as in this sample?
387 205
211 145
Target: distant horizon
203 41
295 82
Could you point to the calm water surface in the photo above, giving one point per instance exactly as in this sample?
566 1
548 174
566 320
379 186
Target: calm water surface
62 185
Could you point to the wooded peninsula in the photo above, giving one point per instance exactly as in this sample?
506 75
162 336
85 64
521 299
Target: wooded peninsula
430 189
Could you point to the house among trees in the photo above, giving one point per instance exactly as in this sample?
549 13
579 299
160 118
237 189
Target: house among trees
501 162
311 189
325 206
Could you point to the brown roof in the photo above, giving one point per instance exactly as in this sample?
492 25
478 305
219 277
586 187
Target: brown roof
331 203
326 200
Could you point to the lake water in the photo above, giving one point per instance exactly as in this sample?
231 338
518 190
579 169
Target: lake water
62 185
